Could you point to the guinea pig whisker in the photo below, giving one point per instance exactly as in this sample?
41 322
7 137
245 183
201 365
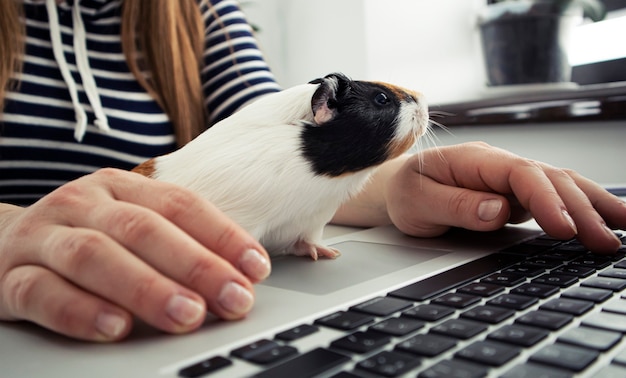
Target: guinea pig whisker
433 139
440 125
439 113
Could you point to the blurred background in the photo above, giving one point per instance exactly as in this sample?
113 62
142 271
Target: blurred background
430 45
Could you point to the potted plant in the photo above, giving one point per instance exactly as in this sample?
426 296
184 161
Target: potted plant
526 41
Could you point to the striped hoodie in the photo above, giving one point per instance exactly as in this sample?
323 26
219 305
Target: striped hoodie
78 107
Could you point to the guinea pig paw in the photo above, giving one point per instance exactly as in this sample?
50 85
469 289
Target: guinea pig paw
330 253
304 248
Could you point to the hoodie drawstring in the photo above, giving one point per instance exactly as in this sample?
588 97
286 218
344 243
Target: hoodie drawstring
82 64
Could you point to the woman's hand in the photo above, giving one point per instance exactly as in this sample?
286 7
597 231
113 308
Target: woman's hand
479 187
86 258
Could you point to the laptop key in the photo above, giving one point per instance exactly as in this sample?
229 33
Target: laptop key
568 306
428 312
427 345
456 300
397 326
535 371
297 332
459 328
575 270
565 356
615 273
345 320
519 335
535 290
562 255
346 374
274 354
488 352
545 319
513 301
505 279
587 294
528 249
389 364
361 342
621 357
309 364
454 368
524 269
382 306
617 306
488 314
482 289
608 283
247 351
543 262
592 261
612 371
573 247
205 367
555 279
437 284
606 320
590 338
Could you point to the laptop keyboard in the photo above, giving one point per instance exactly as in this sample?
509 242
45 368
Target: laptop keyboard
543 308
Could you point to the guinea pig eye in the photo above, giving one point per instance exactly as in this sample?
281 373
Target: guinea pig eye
381 99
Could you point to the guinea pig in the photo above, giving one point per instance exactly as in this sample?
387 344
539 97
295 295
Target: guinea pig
281 166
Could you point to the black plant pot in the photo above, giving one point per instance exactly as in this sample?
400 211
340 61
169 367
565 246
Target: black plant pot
526 43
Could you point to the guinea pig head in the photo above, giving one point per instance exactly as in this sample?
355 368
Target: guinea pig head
360 124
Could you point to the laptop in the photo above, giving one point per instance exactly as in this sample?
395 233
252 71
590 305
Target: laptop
509 303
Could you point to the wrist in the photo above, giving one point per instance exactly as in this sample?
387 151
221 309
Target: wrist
369 207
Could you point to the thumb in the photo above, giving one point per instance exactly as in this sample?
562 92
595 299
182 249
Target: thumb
436 207
489 209
473 210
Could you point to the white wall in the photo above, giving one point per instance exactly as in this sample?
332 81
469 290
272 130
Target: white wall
428 45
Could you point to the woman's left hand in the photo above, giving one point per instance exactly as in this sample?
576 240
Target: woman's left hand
480 187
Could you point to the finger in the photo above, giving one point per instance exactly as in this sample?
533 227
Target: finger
441 206
38 295
509 174
518 213
537 193
610 207
548 193
227 292
197 217
593 231
94 262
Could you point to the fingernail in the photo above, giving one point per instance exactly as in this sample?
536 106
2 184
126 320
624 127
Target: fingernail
184 311
110 325
609 231
569 220
488 210
255 265
235 299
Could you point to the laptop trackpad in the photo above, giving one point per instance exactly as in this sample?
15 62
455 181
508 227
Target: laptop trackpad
359 262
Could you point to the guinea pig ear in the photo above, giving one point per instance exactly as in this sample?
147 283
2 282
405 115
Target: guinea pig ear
324 100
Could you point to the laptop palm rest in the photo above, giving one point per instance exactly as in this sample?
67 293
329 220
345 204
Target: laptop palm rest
359 262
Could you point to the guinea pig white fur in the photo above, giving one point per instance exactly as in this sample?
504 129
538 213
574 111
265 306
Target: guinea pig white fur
281 166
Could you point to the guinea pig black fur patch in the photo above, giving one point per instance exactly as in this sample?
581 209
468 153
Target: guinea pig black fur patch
364 121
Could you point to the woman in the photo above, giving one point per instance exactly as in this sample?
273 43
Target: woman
111 83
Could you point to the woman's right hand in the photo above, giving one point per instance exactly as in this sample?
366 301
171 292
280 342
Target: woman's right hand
97 251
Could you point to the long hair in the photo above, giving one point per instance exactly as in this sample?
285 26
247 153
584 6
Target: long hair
11 45
164 38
